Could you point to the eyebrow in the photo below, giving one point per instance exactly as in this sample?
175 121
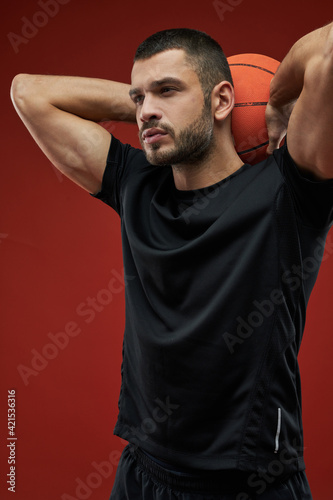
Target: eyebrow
157 83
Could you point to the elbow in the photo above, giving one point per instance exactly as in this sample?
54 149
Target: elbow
18 86
21 90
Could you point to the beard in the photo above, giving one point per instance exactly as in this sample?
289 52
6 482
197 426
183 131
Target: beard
192 145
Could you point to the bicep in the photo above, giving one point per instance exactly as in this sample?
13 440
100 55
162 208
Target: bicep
310 128
77 147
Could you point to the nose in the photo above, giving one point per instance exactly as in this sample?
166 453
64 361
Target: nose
149 110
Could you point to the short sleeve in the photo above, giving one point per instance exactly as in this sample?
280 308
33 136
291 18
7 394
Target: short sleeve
313 199
121 159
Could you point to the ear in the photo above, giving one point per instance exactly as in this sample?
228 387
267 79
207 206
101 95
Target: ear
223 100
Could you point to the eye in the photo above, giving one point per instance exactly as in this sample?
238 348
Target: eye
138 99
167 90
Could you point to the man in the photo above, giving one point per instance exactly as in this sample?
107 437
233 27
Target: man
215 309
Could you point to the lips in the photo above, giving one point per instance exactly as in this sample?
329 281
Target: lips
152 135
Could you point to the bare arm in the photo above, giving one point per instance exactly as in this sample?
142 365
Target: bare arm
300 102
60 113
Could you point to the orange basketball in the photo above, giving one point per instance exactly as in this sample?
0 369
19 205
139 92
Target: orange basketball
252 74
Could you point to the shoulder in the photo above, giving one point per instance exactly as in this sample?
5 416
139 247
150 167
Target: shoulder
120 154
312 198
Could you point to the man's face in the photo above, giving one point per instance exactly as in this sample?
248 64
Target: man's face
175 125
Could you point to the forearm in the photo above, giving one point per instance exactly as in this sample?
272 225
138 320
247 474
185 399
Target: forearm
287 84
89 98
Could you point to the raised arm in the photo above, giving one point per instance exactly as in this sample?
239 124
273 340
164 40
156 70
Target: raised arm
60 113
302 92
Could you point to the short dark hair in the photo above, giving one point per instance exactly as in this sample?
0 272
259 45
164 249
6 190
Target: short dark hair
203 52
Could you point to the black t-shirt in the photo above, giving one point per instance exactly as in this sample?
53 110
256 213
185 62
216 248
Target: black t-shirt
218 281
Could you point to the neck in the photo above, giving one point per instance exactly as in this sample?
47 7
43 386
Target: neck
221 162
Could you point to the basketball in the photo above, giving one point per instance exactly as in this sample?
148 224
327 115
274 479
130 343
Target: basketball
251 74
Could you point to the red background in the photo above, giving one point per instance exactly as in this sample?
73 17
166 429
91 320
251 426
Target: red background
59 247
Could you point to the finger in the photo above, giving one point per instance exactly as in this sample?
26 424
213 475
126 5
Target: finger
274 142
271 147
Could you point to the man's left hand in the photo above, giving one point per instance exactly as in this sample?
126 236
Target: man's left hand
277 122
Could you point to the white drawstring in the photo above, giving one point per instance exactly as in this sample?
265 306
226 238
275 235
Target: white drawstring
278 430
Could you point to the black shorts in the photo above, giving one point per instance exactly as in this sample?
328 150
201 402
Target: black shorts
141 478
